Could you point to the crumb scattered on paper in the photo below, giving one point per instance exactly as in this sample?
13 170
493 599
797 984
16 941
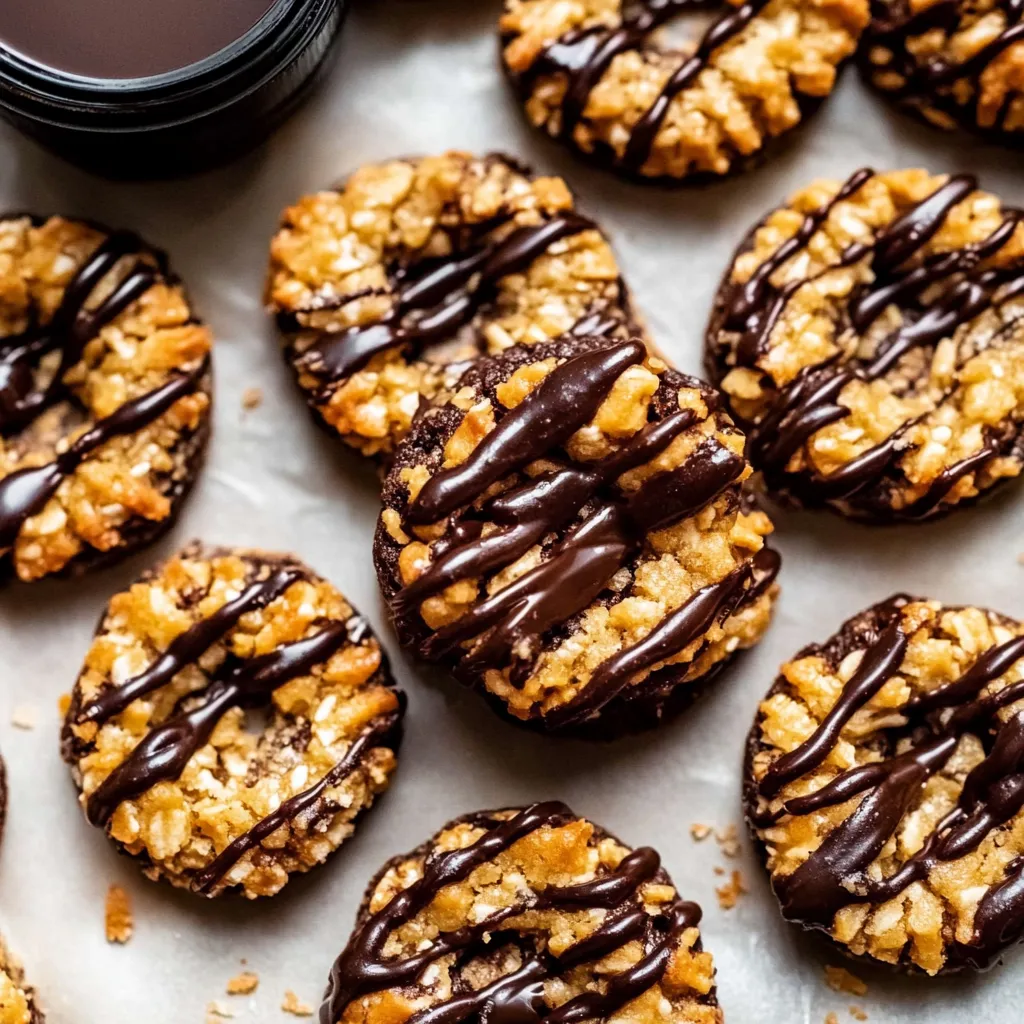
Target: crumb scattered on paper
119 921
831 1019
729 894
243 984
217 1011
295 1006
24 717
839 979
252 398
719 870
700 832
857 1013
728 841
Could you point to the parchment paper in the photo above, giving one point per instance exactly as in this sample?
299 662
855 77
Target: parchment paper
419 76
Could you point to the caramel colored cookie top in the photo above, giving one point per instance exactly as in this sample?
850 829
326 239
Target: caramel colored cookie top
17 1001
886 784
386 286
532 914
870 335
594 73
568 531
104 395
158 738
952 62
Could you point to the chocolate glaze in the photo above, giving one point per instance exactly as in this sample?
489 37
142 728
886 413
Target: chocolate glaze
517 998
77 320
582 56
431 307
835 875
512 622
894 24
811 401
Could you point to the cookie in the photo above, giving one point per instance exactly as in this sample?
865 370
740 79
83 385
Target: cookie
569 535
17 1000
524 915
952 63
104 395
233 718
885 785
870 338
596 76
387 286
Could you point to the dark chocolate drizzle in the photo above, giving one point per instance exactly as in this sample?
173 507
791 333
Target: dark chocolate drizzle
811 401
928 83
432 306
836 874
512 622
164 752
582 56
517 998
75 323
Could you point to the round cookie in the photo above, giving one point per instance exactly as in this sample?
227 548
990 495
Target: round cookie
17 1000
595 76
569 535
386 287
104 395
870 338
162 751
884 784
524 915
952 63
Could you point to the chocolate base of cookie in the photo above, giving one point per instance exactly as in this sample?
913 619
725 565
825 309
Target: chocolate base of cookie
849 638
139 533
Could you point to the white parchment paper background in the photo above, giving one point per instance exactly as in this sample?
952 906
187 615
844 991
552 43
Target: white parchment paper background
420 76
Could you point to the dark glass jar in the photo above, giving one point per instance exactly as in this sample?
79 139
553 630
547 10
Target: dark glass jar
179 121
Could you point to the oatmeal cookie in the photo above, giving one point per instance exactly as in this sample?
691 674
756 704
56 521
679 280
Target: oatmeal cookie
386 287
593 74
168 763
951 62
104 395
524 915
569 535
885 785
17 1000
870 338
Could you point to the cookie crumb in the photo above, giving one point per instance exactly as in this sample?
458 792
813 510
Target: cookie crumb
217 1011
700 832
243 984
252 398
729 894
119 921
839 979
728 841
831 1019
857 1013
24 717
719 870
295 1006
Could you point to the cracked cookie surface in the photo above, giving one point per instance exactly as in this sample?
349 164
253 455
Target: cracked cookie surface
869 335
569 535
17 1000
233 718
386 287
952 62
104 395
532 914
885 785
594 74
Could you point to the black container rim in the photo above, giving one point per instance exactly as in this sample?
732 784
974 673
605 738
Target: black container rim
242 67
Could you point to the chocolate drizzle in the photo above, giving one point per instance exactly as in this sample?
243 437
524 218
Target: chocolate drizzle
516 998
512 622
811 401
432 306
582 56
77 320
836 874
928 82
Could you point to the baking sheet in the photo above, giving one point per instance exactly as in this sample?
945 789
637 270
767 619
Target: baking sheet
418 76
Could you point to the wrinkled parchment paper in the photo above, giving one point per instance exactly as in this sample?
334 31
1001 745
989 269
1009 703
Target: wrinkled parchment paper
418 76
